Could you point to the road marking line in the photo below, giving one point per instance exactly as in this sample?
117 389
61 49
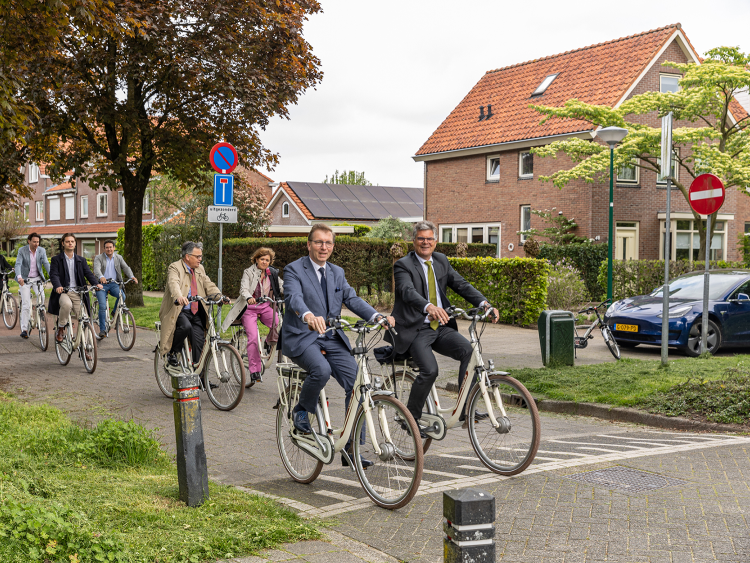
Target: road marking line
444 474
597 444
408 480
340 481
646 440
337 496
474 467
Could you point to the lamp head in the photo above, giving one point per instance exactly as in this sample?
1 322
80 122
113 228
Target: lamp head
612 135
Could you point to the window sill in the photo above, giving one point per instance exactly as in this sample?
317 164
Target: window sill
626 185
526 177
660 186
487 181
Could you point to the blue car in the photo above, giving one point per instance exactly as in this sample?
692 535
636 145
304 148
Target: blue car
637 320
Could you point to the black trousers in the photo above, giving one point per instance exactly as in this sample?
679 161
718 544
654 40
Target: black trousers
190 326
445 341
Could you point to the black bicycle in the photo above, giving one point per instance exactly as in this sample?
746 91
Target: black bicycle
609 338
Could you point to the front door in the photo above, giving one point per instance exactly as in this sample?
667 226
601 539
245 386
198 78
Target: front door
626 242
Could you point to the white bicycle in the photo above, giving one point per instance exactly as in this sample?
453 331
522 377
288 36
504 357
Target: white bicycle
239 339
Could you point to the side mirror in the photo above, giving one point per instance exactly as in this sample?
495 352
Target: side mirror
740 298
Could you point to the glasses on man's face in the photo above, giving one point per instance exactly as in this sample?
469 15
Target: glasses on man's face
196 256
425 239
322 243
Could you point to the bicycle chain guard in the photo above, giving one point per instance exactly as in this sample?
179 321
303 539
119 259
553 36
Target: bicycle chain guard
436 429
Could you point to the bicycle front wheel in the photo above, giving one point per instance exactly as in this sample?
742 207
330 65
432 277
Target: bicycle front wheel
63 349
163 378
88 347
43 334
301 466
401 384
95 315
126 330
511 448
609 338
226 386
10 311
393 481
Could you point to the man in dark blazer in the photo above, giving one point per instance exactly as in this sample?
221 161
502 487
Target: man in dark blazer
61 267
315 290
422 278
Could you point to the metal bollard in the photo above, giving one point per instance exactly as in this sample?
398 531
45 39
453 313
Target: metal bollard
192 470
468 526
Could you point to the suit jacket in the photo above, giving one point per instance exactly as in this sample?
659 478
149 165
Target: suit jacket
303 293
412 295
23 262
250 279
58 275
100 266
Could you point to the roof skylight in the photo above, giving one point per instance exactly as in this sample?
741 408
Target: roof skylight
545 84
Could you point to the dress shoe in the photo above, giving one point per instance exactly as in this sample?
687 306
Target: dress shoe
365 462
405 428
60 336
102 335
302 422
172 359
24 334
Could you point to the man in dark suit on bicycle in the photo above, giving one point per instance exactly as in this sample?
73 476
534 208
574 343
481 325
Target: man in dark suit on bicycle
422 278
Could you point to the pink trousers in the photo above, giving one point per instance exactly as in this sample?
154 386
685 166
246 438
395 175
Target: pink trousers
264 312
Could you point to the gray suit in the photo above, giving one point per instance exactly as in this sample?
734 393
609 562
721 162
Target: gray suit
100 265
23 262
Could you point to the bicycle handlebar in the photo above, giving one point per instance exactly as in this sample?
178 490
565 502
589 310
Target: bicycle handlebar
80 288
41 281
267 299
477 312
335 323
112 280
221 300
594 307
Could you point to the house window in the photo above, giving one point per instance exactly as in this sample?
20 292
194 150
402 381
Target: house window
26 211
525 221
89 249
525 165
675 170
493 169
477 234
70 207
40 211
669 83
545 84
628 173
686 241
147 202
470 233
33 173
54 208
285 209
101 205
84 206
626 240
462 234
120 203
493 234
747 227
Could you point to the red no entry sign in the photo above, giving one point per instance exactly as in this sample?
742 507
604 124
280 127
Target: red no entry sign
706 194
223 158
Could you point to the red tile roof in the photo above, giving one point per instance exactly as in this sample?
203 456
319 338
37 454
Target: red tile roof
298 202
60 187
80 229
599 74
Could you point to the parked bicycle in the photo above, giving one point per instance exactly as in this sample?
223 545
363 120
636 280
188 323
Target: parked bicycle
609 338
390 429
506 441
121 318
222 371
239 339
8 303
84 341
38 317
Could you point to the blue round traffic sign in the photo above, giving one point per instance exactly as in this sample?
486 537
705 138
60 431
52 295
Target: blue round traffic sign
223 158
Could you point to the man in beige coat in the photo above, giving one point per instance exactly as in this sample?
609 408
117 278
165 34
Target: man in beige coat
185 278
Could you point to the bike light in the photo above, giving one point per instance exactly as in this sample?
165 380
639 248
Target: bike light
377 383
677 311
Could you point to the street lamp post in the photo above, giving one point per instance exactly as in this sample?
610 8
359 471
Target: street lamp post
611 136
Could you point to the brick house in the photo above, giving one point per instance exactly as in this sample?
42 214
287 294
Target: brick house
481 181
295 206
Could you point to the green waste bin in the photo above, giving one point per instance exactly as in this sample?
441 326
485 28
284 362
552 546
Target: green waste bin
556 337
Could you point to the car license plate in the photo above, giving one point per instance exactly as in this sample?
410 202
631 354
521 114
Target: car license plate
626 328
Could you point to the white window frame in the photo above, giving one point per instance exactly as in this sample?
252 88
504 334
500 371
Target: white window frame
668 75
694 231
453 227
70 206
120 202
39 211
146 203
636 229
285 209
674 163
26 210
523 237
636 162
488 175
84 207
520 165
99 198
33 173
54 207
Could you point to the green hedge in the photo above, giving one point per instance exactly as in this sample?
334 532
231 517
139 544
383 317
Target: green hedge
745 248
359 230
516 286
367 262
586 258
641 277
149 263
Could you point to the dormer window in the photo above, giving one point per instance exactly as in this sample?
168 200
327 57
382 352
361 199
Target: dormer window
545 84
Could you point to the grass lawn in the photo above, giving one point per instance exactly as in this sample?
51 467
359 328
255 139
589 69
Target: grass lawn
109 493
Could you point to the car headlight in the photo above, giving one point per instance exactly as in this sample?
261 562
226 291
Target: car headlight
677 311
611 308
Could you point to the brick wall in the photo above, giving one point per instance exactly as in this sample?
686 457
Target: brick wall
294 216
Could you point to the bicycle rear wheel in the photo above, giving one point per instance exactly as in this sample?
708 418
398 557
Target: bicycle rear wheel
95 314
163 378
609 338
64 349
126 330
43 334
510 449
10 311
239 341
401 384
226 387
393 481
301 466
88 345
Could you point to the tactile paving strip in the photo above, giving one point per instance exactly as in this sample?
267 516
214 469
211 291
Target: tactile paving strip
625 479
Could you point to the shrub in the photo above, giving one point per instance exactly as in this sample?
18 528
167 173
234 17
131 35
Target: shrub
391 228
516 286
359 230
149 263
744 246
584 257
566 290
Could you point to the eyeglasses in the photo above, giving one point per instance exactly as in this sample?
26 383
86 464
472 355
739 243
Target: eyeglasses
322 243
196 256
425 239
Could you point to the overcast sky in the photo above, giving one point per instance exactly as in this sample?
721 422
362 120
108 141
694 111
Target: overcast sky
393 70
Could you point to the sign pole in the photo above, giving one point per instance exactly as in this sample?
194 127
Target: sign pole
221 238
704 320
666 160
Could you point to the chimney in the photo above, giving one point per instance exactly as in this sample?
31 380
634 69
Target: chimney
489 111
481 113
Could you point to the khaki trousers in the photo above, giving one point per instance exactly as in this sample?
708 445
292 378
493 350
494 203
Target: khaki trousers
68 301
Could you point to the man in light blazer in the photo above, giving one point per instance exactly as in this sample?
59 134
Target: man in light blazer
109 266
315 290
31 263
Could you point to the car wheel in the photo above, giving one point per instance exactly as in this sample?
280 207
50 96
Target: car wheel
694 338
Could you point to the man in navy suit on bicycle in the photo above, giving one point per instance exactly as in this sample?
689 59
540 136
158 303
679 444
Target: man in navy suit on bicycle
316 290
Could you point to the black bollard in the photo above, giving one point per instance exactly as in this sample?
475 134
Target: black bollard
192 470
468 526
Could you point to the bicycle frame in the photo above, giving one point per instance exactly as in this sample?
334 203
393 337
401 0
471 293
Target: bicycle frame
121 305
83 318
209 345
239 330
40 300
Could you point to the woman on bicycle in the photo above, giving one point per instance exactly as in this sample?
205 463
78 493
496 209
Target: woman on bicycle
258 281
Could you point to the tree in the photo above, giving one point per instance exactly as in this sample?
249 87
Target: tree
12 224
120 106
351 177
390 228
720 143
559 229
